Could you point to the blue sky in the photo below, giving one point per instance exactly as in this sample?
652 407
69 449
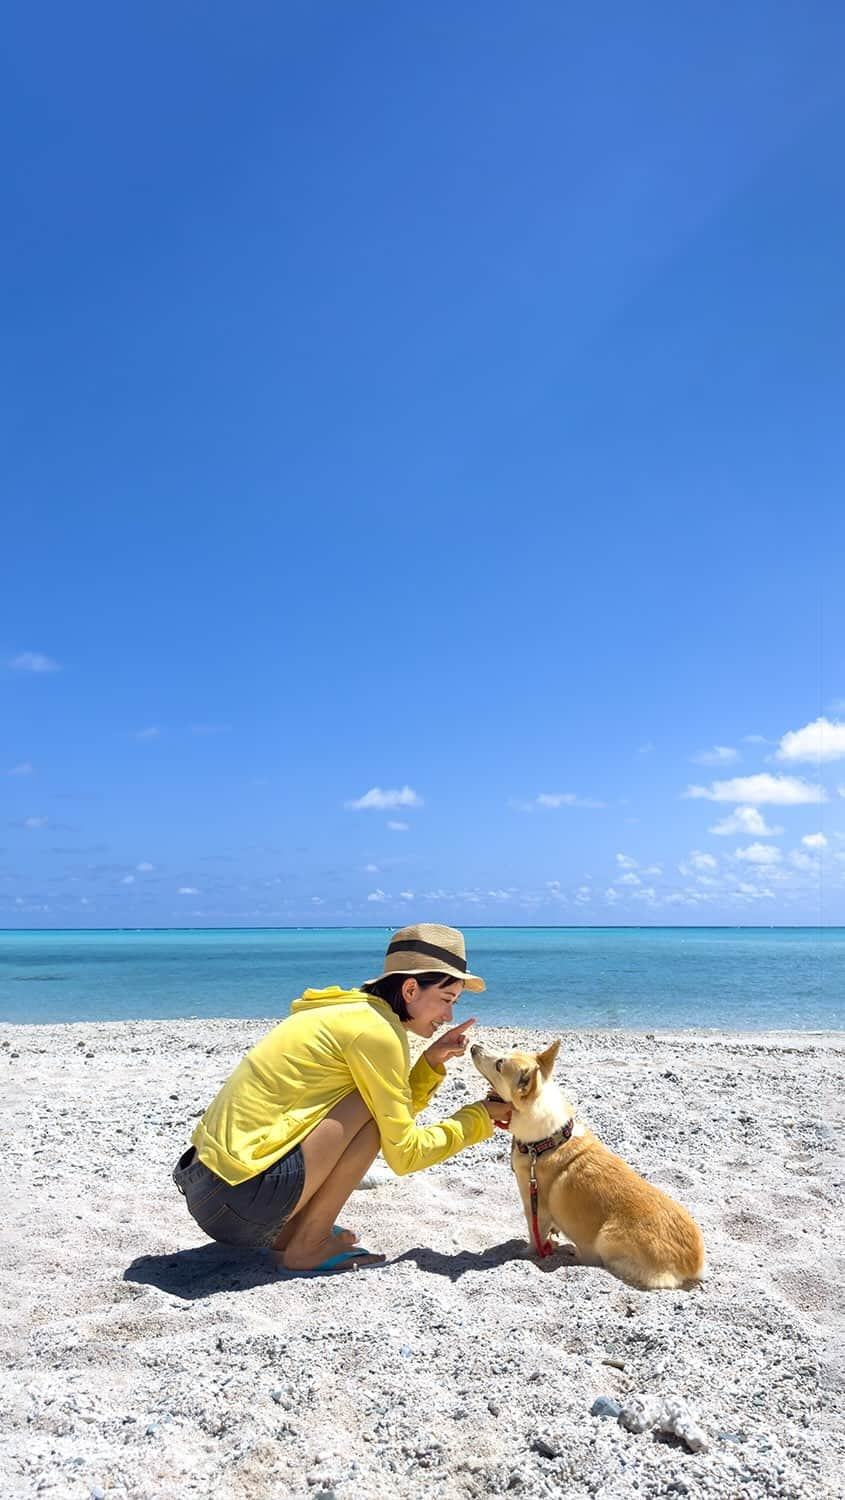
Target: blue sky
435 407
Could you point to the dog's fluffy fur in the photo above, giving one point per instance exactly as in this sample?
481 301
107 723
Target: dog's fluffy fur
587 1193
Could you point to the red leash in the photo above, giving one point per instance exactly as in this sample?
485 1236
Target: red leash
541 1248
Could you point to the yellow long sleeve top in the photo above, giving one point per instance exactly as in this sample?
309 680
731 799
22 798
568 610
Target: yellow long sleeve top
332 1042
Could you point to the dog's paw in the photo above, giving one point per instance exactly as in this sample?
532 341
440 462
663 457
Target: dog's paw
567 1251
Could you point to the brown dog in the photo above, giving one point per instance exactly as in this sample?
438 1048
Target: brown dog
612 1216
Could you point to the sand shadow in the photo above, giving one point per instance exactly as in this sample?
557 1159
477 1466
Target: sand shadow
203 1271
455 1266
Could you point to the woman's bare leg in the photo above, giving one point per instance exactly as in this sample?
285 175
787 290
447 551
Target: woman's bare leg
337 1153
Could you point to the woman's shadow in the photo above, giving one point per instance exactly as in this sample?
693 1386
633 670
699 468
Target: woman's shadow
205 1270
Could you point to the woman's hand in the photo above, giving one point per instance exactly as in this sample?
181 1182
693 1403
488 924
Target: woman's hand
452 1043
498 1110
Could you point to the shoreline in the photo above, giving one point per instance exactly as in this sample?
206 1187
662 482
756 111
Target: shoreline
771 1034
144 1361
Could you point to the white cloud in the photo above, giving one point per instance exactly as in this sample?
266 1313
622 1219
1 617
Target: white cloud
611 895
627 862
653 870
583 895
744 891
377 896
34 661
745 820
376 798
760 854
546 800
803 861
647 893
25 768
317 900
565 799
397 827
145 867
699 861
646 748
128 880
821 740
785 791
188 890
552 885
718 755
630 879
814 841
754 739
35 822
407 895
371 870
148 734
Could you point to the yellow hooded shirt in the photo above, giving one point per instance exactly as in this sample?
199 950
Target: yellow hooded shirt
332 1042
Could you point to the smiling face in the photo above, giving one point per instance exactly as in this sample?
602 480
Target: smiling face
515 1076
430 1007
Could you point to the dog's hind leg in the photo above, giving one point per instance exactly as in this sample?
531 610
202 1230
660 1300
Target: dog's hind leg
620 1256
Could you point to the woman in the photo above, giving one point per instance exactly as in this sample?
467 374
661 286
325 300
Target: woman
279 1150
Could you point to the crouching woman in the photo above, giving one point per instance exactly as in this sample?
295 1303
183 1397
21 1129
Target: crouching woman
294 1129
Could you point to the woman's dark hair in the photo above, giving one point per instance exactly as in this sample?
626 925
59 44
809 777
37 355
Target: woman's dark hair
389 989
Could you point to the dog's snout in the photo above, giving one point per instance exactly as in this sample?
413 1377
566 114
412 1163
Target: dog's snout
474 1048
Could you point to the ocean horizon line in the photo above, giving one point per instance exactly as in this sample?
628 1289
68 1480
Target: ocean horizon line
465 927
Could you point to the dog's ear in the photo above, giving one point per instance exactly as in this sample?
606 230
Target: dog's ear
525 1083
546 1060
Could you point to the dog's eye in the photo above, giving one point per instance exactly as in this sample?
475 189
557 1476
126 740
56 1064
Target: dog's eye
498 1065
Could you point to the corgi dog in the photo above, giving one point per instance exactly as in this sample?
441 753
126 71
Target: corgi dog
571 1183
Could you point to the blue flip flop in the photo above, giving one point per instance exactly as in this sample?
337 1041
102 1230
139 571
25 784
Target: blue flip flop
328 1267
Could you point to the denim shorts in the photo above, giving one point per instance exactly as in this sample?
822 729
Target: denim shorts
249 1213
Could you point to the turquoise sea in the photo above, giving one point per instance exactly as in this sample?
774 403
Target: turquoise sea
747 978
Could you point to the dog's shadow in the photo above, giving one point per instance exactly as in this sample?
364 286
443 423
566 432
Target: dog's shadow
435 1263
203 1271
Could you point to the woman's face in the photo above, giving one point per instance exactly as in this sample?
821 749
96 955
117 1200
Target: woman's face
430 1008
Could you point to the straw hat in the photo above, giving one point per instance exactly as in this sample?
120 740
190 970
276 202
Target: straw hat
429 949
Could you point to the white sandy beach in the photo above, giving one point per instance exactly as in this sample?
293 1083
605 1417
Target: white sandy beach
142 1361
